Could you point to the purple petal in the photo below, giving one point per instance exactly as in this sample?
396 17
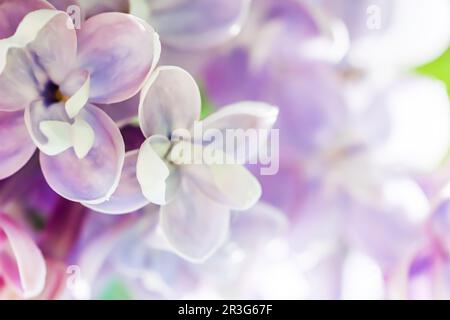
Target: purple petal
16 150
119 51
94 178
17 86
42 55
128 197
197 24
55 48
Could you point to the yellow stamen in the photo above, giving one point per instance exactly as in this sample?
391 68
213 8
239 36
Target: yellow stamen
60 97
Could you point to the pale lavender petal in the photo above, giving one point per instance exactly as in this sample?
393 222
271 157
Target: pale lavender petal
197 24
119 51
16 147
169 101
94 178
55 48
252 229
194 225
294 31
128 197
17 82
43 61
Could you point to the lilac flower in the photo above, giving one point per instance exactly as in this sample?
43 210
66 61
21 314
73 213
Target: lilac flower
183 24
50 75
22 265
195 199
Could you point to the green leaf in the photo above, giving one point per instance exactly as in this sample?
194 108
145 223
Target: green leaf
207 106
438 69
36 219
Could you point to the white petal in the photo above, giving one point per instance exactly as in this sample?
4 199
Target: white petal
170 100
83 137
152 172
194 225
79 99
58 134
229 184
241 122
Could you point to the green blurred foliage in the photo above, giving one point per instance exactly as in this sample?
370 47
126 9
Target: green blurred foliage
207 106
438 69
115 290
35 219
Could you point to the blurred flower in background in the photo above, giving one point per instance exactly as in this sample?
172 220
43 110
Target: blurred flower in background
359 205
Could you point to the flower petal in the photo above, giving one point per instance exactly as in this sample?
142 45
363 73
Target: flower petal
55 46
244 120
79 99
28 271
94 178
42 49
128 197
16 150
48 127
229 184
243 115
253 228
194 225
158 181
170 100
196 24
119 51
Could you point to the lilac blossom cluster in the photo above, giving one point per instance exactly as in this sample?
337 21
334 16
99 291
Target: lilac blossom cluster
100 196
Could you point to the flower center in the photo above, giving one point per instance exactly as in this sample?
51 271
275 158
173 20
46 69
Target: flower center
52 94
